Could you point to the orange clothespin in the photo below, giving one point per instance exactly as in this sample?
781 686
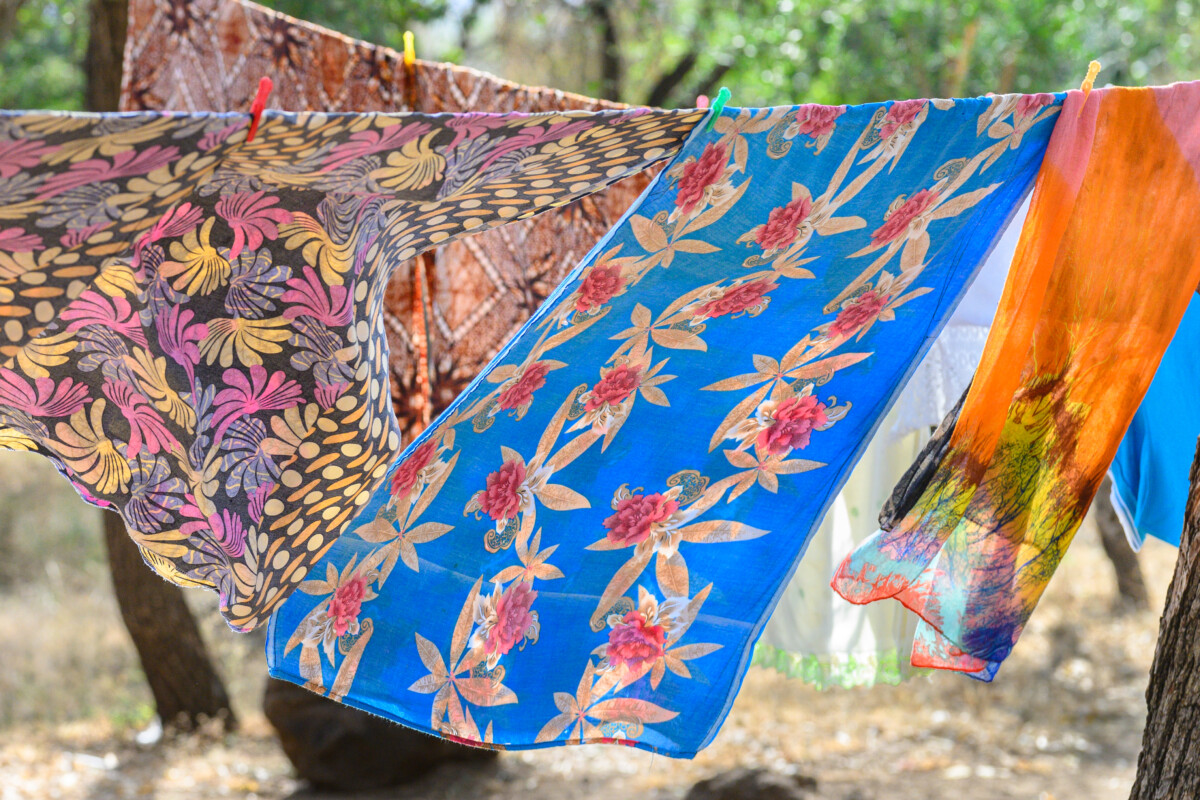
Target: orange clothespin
260 103
1090 80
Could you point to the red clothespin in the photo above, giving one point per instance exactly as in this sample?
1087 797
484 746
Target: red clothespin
260 103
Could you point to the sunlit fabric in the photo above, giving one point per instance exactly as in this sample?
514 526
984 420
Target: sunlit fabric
192 327
1103 273
585 546
1150 473
449 311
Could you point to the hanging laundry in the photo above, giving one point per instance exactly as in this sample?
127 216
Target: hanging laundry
814 634
192 327
1100 282
946 370
1150 474
208 55
586 544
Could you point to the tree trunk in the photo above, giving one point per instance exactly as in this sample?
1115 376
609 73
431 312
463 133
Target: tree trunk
339 748
1131 589
610 50
1169 764
185 685
186 688
105 52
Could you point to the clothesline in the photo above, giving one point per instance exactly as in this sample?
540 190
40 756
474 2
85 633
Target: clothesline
592 534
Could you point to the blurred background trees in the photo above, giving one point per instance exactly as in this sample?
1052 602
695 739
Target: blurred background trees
665 52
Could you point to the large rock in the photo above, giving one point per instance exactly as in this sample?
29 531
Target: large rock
337 747
746 783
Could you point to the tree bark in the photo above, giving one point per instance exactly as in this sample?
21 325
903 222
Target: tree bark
610 50
1169 764
185 685
1131 589
339 748
105 53
186 688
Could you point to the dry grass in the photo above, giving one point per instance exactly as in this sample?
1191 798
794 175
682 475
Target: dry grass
1062 721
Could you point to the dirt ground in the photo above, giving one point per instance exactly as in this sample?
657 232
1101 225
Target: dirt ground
1062 721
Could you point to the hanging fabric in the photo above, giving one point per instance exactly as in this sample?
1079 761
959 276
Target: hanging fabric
208 55
1151 470
193 332
585 546
1100 282
814 634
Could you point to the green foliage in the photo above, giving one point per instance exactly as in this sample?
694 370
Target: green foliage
40 55
766 51
852 51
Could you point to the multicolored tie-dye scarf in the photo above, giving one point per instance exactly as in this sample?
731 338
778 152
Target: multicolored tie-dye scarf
192 328
585 546
1100 282
449 312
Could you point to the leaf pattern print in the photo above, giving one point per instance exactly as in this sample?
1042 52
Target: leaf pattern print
176 297
639 469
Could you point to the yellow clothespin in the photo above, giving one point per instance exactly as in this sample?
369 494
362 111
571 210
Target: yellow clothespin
410 50
1093 71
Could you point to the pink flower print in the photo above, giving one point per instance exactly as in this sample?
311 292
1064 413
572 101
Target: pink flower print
328 393
815 121
636 515
736 299
178 337
405 478
146 427
44 398
21 154
94 308
600 285
252 219
615 387
901 112
178 220
793 421
214 138
77 236
260 393
258 501
95 170
345 605
699 175
364 143
1030 104
895 225
858 312
16 240
472 125
513 618
521 392
309 296
782 223
230 533
634 642
502 497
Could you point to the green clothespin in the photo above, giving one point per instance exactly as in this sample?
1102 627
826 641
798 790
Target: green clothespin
717 106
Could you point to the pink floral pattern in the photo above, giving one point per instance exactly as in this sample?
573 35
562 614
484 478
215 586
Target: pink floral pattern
216 369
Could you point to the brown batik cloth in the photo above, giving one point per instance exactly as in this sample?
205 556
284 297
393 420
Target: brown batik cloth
208 55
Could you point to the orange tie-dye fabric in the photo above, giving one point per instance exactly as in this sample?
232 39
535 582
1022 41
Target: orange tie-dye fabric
1103 273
